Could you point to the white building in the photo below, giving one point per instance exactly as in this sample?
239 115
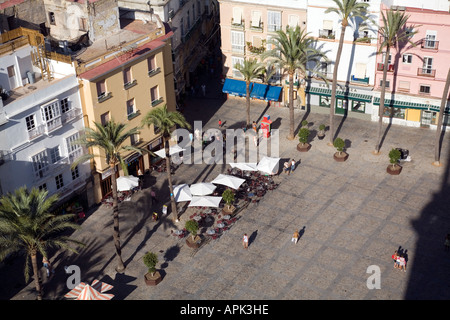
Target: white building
39 117
357 66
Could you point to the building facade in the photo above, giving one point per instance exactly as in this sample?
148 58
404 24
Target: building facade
40 117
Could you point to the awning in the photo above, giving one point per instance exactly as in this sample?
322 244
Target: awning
406 104
235 87
265 92
340 94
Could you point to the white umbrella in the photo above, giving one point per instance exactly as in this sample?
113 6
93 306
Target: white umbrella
268 165
229 181
182 193
244 166
172 150
205 201
127 183
202 188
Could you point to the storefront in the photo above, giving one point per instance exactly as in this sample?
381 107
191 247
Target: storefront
154 146
105 181
134 163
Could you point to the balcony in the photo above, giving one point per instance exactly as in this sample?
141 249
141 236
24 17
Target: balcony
70 115
327 34
157 101
426 72
259 27
36 132
153 72
362 40
380 67
133 115
130 84
429 44
76 154
238 24
4 156
53 124
104 96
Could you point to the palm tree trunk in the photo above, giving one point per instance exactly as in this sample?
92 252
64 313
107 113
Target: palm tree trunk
291 106
248 102
169 180
440 118
116 232
334 85
37 283
382 95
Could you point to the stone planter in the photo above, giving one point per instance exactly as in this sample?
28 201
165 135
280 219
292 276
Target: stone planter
394 170
303 147
340 157
227 210
152 280
193 243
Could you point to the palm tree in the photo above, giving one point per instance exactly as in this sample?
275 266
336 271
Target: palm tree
392 33
346 10
29 228
251 69
292 50
444 102
165 121
110 139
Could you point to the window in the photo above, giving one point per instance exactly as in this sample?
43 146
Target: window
424 89
75 173
104 118
389 59
327 29
394 112
51 17
256 19
40 164
50 112
65 106
59 181
127 76
54 154
358 106
82 24
134 139
407 58
31 124
101 89
151 62
293 21
154 93
387 83
73 150
430 40
237 41
237 16
43 187
273 21
403 86
130 107
235 61
427 65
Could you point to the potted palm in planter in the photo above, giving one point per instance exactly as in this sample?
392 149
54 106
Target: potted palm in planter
194 240
394 168
340 155
321 132
152 277
303 135
228 197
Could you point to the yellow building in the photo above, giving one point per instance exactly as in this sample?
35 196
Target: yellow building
123 77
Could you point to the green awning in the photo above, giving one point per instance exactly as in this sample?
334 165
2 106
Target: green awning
340 94
406 104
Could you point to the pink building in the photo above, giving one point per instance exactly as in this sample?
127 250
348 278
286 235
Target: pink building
417 74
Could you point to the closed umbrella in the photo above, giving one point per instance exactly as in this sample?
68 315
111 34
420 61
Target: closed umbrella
127 183
202 188
268 165
182 193
172 150
229 181
205 201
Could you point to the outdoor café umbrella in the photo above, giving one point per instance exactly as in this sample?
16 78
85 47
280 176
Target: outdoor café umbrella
229 181
172 150
268 165
182 193
95 291
127 183
244 166
205 201
202 188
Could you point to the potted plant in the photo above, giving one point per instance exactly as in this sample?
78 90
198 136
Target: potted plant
303 135
305 124
192 227
152 277
340 155
321 132
228 197
394 168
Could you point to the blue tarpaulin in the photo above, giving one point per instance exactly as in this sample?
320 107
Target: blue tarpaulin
235 87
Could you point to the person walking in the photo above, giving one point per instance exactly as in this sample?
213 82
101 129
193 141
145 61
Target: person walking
401 262
220 123
203 89
394 257
245 241
295 236
292 165
255 127
47 266
447 242
153 195
286 168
